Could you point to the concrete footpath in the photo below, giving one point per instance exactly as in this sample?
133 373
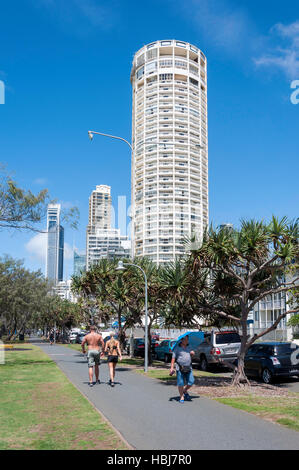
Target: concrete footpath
147 412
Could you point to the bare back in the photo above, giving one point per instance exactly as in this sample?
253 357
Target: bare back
94 341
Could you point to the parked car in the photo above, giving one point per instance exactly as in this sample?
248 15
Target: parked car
73 334
163 351
138 347
267 361
80 336
217 348
156 337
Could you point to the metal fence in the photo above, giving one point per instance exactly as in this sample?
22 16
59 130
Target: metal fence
276 335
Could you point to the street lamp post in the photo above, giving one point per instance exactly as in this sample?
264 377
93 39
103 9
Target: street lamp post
91 134
121 267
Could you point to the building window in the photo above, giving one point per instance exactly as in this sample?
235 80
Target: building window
140 73
152 54
193 82
166 76
151 67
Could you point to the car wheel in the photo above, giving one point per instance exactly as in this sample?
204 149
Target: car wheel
266 376
203 364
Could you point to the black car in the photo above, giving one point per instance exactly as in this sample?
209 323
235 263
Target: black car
266 361
138 347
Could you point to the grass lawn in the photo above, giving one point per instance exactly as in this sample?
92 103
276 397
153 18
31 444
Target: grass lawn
282 410
42 410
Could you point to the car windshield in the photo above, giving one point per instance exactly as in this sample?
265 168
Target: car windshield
286 348
225 338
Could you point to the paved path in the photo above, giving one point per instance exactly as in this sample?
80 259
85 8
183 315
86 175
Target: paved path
148 415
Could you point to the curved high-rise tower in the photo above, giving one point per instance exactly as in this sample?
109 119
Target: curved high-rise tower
170 154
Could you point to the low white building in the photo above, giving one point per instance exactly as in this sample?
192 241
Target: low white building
63 290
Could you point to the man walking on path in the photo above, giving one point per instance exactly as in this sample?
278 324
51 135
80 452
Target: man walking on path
93 341
182 357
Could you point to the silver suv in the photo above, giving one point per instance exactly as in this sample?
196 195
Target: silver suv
217 348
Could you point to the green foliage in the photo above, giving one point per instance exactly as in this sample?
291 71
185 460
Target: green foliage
294 320
25 301
21 209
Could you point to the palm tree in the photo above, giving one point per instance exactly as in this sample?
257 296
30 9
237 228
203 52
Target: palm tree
246 266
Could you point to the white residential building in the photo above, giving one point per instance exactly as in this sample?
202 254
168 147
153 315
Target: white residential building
63 290
170 148
102 241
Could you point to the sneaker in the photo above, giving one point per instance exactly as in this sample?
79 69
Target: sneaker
112 384
182 401
98 382
187 396
90 384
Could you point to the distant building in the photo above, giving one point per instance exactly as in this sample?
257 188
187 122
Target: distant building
79 263
102 241
55 244
63 290
106 244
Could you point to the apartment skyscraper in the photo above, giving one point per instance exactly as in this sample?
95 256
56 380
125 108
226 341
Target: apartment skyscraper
102 241
170 148
55 244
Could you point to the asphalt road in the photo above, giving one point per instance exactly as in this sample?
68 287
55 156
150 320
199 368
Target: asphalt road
147 412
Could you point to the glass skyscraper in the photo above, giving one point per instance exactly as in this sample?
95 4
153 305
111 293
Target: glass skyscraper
79 263
55 244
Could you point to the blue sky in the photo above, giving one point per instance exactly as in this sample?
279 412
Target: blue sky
66 68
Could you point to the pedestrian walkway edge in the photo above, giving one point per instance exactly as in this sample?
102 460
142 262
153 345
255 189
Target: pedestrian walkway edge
130 447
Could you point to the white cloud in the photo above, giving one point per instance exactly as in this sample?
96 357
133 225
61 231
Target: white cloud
37 248
40 181
285 55
220 23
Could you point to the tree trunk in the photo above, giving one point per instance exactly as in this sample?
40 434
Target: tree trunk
239 377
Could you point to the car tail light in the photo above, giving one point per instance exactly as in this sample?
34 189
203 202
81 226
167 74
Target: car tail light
140 346
215 351
275 361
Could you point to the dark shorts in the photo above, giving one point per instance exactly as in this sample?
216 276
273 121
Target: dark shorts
113 359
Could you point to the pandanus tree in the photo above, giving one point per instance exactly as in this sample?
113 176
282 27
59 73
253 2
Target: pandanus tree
245 267
106 293
180 286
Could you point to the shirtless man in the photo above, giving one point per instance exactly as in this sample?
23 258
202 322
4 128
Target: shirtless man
93 341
